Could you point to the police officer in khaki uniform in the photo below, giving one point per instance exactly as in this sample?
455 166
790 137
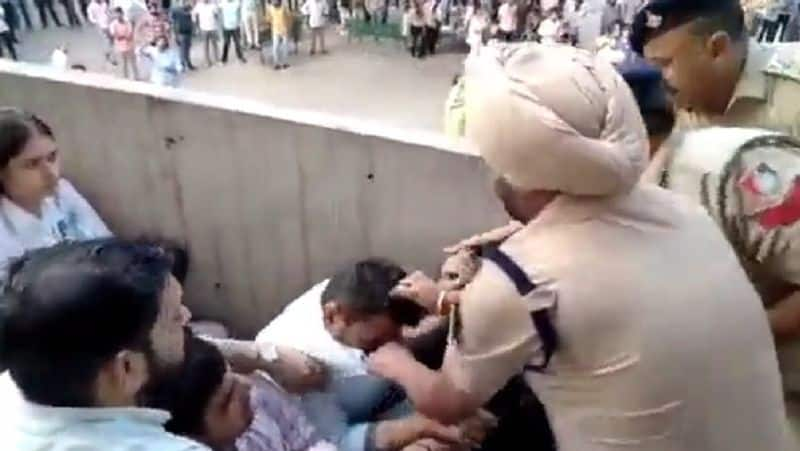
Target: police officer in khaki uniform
747 180
622 304
719 76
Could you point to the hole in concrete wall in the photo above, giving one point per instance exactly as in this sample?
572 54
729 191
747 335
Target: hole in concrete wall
217 285
370 176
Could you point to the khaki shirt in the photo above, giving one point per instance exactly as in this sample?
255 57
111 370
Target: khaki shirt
750 184
767 95
663 341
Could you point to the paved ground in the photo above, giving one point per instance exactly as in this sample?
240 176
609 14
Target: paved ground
378 81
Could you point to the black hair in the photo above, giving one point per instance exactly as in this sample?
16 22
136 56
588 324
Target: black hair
17 127
186 396
659 122
729 19
365 286
179 254
71 308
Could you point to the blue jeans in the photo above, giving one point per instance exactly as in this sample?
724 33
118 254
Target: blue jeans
279 50
344 412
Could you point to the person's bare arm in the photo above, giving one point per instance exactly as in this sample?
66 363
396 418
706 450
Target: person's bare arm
397 434
431 392
784 318
295 371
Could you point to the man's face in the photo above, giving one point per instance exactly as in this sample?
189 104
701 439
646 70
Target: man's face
360 331
229 413
686 65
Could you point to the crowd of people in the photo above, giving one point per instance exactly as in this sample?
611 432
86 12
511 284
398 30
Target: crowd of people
643 296
160 35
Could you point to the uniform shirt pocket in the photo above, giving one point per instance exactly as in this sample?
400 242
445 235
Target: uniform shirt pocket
634 428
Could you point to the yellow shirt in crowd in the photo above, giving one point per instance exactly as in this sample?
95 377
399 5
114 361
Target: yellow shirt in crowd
280 18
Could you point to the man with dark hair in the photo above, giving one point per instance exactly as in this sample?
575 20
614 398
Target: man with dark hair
717 74
211 403
342 320
87 329
655 105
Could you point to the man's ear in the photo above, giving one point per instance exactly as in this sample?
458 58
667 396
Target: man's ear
330 310
130 370
718 44
122 377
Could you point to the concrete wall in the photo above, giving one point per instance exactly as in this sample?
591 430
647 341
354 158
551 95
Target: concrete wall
268 200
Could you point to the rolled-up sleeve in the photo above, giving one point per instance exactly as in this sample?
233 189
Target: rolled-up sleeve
497 337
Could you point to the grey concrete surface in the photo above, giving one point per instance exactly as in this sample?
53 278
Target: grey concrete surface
269 200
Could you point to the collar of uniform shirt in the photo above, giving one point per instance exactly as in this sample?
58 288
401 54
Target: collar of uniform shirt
753 81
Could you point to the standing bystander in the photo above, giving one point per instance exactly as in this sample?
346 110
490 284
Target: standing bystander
507 18
206 14
98 15
72 16
10 15
250 23
44 6
22 6
231 22
167 65
5 37
316 10
280 19
121 31
184 30
430 36
416 26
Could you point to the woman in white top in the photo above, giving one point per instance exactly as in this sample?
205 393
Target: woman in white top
37 207
550 29
477 24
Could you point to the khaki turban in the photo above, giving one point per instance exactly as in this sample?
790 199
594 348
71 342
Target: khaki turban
554 118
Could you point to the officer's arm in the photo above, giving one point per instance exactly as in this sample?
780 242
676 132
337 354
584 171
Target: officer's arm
495 342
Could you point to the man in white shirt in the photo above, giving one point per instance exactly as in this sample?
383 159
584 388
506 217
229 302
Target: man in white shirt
337 322
206 15
507 16
6 38
316 10
87 329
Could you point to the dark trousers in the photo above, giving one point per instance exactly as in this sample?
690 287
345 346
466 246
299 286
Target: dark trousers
417 41
10 13
84 12
8 41
72 17
769 29
185 44
522 421
783 23
44 6
233 35
430 38
26 16
506 36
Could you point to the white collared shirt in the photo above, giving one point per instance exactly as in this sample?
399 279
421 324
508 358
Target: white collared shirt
66 215
32 427
300 326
